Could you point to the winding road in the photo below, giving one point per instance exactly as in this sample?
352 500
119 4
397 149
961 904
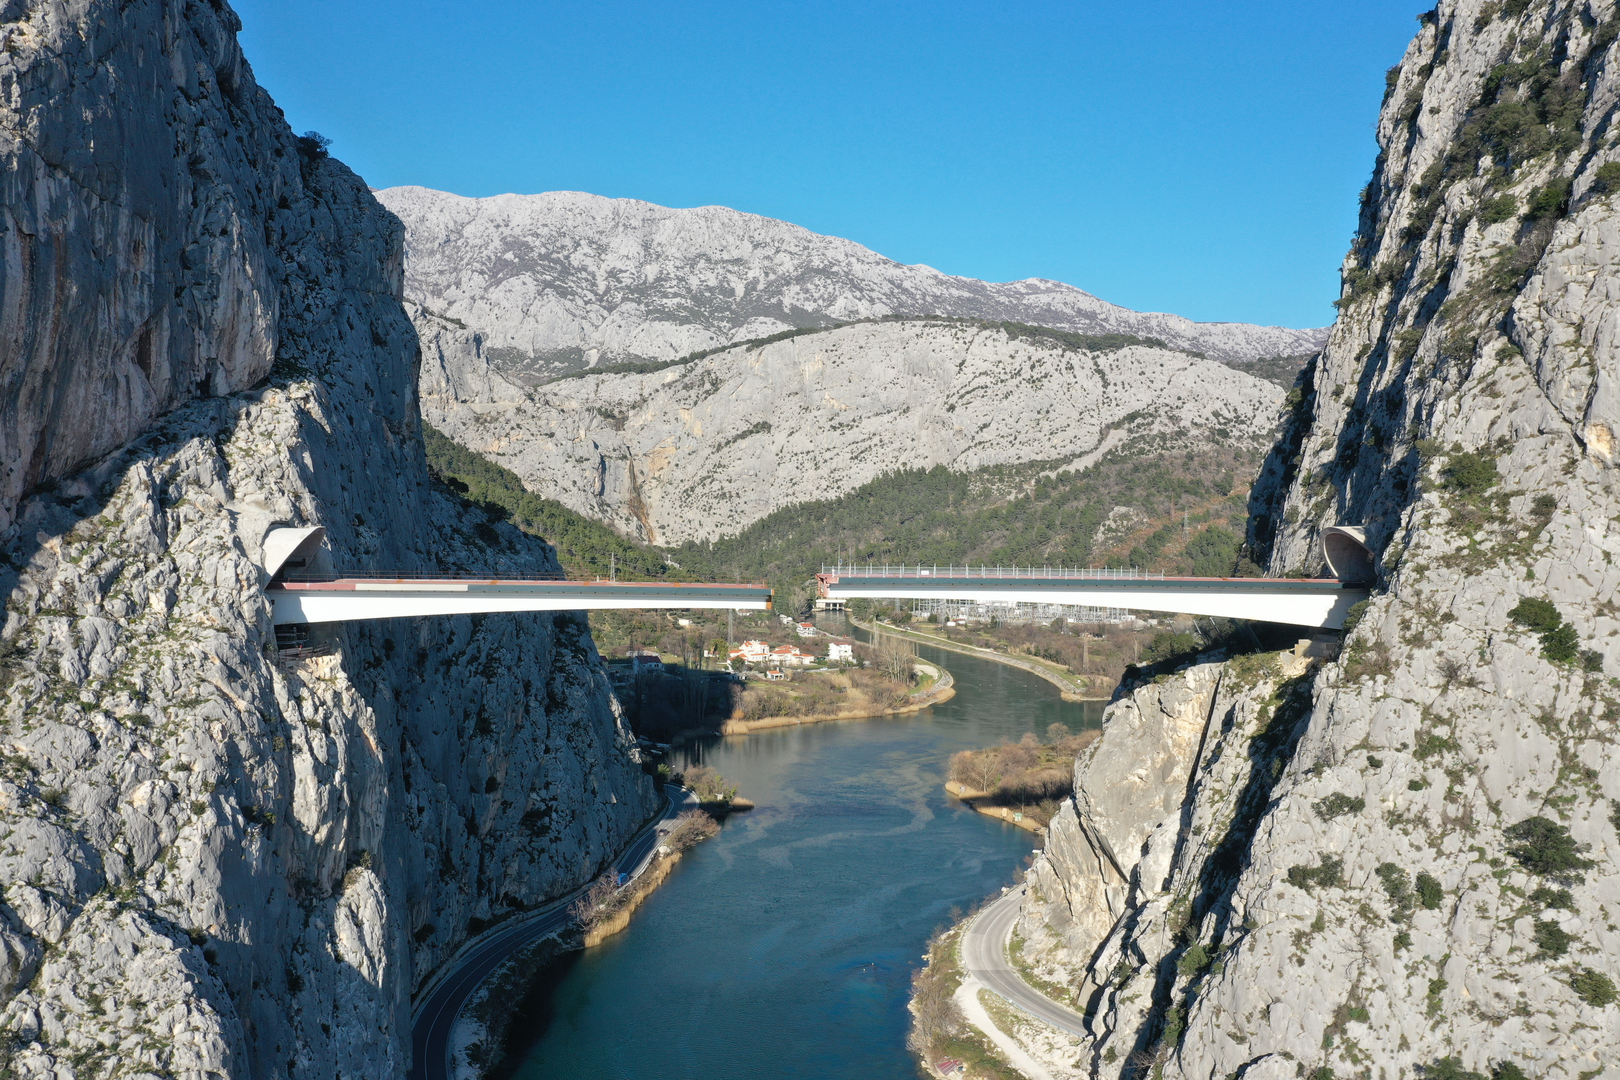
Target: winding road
438 1012
984 955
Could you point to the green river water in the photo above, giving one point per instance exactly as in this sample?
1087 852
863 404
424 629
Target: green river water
785 946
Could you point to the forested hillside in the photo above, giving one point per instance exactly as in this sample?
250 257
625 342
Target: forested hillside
1180 512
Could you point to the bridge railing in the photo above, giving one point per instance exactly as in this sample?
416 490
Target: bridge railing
420 575
1076 573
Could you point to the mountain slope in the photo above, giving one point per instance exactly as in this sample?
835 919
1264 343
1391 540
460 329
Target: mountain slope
1404 861
700 450
558 281
218 858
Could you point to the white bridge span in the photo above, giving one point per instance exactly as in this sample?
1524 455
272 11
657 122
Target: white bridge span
303 590
1318 602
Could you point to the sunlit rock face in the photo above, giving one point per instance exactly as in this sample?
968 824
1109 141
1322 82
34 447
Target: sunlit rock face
217 859
1374 863
563 280
700 450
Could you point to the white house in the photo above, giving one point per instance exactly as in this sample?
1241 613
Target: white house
838 653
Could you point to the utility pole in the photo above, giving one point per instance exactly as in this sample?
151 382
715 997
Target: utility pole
613 566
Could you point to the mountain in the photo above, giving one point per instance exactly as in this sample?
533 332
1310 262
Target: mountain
219 858
564 280
1403 859
699 450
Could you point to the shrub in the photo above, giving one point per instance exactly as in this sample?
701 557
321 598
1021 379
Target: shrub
1450 1068
1469 473
1403 940
1549 897
1593 987
1607 178
1551 940
1398 884
1194 960
1536 614
1551 200
1429 891
312 145
1338 804
1329 873
1562 645
1506 1070
1543 846
1560 642
1502 208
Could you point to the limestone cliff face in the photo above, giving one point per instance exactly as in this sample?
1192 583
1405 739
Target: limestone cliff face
216 861
1464 411
138 237
700 450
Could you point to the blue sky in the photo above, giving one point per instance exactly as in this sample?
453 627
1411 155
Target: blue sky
1196 158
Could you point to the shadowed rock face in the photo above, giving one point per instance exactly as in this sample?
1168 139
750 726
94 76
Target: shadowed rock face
1273 919
562 280
215 862
138 248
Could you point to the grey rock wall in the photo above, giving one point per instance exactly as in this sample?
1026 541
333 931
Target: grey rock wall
216 861
1462 411
701 450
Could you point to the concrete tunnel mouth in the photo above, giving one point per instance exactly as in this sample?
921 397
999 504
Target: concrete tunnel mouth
1348 556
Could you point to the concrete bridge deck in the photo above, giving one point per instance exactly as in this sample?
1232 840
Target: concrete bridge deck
1317 602
345 598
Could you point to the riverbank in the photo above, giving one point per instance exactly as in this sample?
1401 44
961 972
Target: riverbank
940 688
1071 687
979 801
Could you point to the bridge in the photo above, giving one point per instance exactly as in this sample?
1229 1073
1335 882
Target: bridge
1315 602
304 589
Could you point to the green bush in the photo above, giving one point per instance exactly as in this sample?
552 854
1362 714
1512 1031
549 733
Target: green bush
1543 846
1403 940
1551 200
1536 614
1469 473
1549 897
1502 208
1450 1068
1560 642
1506 1070
1338 804
1551 940
1563 645
1593 987
1429 891
1607 178
1398 884
1329 873
1194 960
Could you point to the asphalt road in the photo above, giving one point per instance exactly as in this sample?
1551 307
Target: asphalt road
984 954
436 1015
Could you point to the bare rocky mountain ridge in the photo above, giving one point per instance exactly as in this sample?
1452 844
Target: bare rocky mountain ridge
563 280
1404 861
701 450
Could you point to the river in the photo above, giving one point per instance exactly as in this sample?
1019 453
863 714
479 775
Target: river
785 946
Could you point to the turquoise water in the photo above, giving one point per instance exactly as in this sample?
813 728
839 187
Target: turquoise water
785 946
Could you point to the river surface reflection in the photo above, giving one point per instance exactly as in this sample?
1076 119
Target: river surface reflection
785 946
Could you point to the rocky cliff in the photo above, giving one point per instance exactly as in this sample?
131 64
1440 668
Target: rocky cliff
564 280
1403 861
700 450
218 859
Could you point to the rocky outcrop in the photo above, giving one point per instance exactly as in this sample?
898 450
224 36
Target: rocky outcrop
700 450
1411 853
564 280
218 859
